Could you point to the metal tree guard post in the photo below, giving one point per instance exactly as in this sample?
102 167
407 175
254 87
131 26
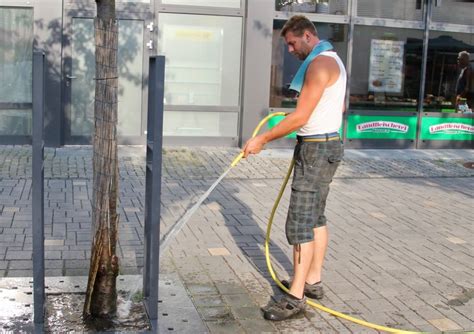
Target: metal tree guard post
153 184
37 185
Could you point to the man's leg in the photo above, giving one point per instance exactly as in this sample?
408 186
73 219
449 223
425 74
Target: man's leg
319 248
302 261
294 302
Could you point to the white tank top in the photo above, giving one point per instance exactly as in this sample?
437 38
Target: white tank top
327 116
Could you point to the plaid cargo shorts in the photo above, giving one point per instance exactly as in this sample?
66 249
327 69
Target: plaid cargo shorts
315 165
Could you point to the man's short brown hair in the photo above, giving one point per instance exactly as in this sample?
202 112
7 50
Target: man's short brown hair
297 25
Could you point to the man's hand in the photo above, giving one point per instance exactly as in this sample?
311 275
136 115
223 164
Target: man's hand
253 145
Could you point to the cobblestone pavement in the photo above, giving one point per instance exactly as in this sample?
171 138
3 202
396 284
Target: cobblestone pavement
400 255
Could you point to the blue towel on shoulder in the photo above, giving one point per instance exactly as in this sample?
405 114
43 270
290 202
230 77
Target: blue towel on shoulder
298 80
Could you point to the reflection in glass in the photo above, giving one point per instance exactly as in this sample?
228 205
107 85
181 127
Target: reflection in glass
337 7
200 124
443 70
284 65
82 74
202 59
15 122
130 55
130 62
206 3
454 11
389 9
386 69
16 54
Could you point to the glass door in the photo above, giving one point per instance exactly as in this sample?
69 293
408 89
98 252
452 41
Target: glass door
202 43
447 120
79 80
16 52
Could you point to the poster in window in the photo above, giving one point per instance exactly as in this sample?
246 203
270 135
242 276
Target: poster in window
386 66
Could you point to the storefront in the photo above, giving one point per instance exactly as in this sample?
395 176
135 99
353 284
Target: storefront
401 58
227 67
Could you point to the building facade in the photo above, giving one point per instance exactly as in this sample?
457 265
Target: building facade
227 67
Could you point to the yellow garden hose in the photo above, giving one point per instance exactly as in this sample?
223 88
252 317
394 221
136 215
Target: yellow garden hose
267 248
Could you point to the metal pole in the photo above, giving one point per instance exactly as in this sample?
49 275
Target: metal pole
352 11
153 184
426 39
148 183
38 187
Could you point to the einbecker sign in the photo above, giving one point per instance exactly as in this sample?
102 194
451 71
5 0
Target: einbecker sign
451 128
382 126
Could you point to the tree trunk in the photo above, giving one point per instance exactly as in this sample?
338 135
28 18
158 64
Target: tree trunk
101 295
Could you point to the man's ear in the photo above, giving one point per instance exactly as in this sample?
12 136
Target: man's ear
307 36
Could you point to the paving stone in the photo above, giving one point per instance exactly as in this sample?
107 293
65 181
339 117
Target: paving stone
215 313
201 289
18 255
208 301
238 300
456 240
73 255
229 288
76 272
53 264
20 264
218 251
76 264
247 312
53 272
19 273
257 326
225 327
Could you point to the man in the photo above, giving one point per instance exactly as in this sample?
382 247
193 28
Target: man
464 81
317 154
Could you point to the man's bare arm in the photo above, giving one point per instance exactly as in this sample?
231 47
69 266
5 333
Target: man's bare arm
317 78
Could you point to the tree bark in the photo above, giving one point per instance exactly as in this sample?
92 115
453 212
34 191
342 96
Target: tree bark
101 294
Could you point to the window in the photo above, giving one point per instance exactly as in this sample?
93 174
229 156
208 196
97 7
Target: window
205 3
203 55
200 124
443 70
129 57
386 68
16 57
338 7
284 65
389 9
454 11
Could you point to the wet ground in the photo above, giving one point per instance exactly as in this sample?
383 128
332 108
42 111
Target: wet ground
64 315
65 299
15 319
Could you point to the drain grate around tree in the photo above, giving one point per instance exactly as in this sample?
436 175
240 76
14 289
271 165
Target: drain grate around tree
469 164
177 311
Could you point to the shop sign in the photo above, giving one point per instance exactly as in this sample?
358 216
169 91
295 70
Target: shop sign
433 128
381 127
